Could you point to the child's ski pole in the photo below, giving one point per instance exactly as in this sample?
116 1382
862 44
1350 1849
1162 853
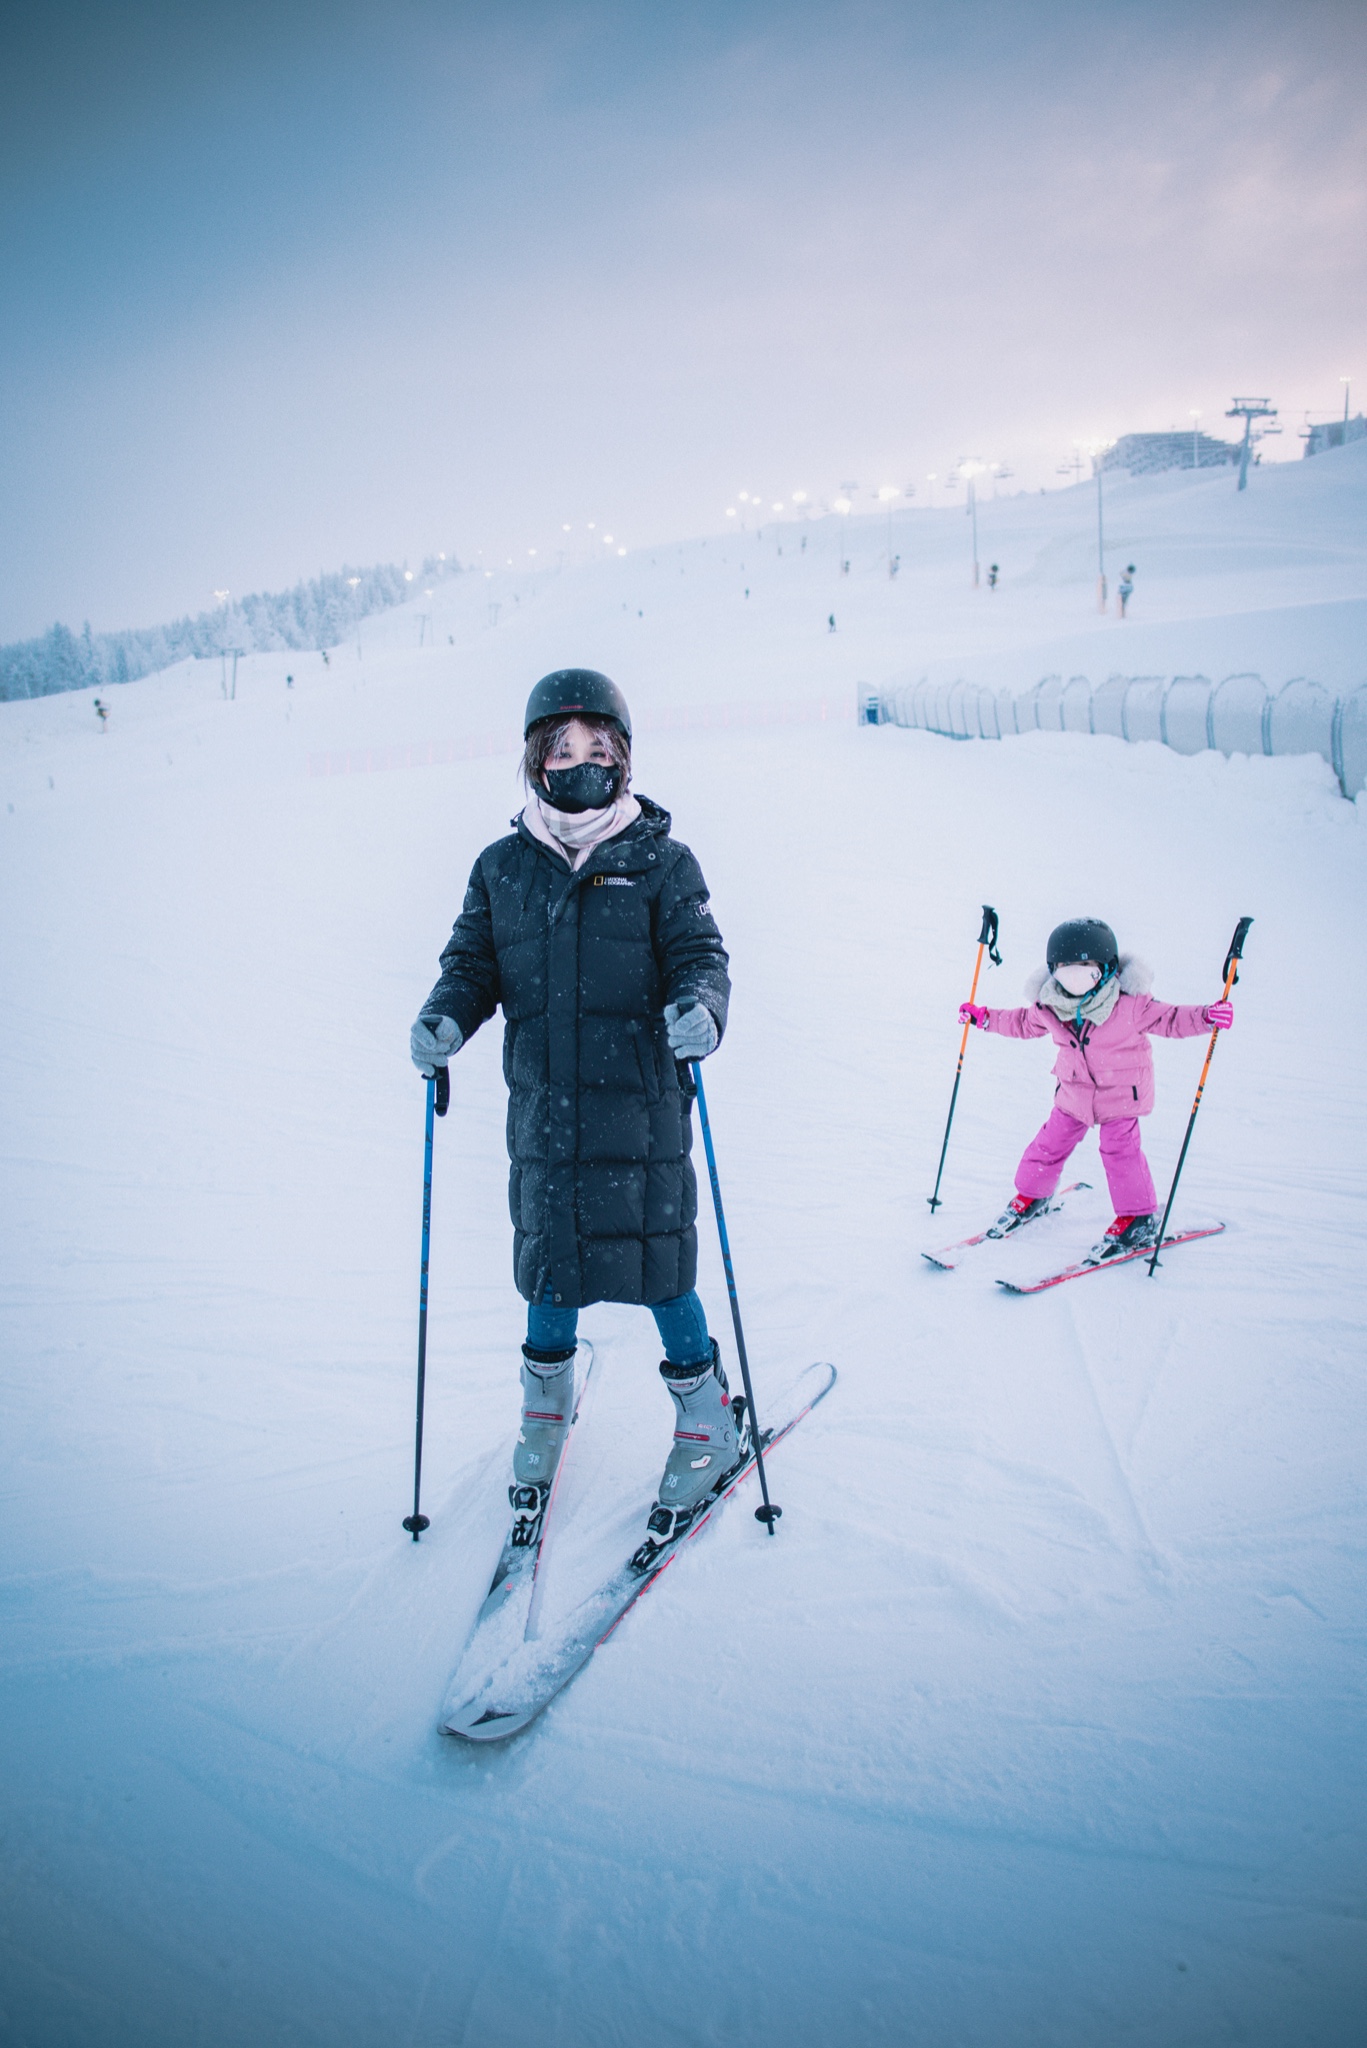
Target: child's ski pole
438 1096
987 940
768 1514
1232 959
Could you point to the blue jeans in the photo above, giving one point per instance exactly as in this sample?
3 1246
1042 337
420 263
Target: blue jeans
682 1324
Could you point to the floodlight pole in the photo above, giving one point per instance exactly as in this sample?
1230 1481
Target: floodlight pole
1100 538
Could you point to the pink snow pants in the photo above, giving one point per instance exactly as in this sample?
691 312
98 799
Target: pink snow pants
1122 1155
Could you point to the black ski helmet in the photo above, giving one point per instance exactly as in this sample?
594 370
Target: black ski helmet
1082 939
569 690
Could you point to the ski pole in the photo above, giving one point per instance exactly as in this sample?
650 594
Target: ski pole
1232 959
438 1097
987 939
768 1514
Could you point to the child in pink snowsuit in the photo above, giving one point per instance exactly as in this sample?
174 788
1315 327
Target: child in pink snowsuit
1094 1002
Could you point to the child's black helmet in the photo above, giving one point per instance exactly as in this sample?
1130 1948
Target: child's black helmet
577 689
1083 938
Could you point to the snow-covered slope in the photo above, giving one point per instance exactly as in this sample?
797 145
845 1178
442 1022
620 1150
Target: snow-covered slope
1040 1719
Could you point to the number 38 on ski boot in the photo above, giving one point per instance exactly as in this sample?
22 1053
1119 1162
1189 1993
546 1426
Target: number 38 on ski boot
1126 1234
547 1411
709 1445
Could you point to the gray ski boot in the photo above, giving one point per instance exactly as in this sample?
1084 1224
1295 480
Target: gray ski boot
709 1444
547 1411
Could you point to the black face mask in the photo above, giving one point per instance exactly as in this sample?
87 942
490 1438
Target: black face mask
588 787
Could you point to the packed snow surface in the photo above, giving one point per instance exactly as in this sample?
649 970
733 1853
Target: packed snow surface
1040 1718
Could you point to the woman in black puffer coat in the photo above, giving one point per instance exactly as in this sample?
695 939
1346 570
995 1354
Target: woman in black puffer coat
590 926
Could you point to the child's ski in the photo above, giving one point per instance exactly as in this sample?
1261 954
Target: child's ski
530 1675
948 1259
1121 1259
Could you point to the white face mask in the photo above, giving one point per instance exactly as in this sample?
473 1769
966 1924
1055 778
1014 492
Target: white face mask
1078 977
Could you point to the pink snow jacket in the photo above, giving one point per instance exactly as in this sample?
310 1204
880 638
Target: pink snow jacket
1105 1071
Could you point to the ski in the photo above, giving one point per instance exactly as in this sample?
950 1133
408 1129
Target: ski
530 1674
520 1561
1103 1266
948 1259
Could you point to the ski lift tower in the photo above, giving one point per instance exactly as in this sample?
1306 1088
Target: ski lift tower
1248 410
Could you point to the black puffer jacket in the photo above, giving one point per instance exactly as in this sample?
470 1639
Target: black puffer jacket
602 1191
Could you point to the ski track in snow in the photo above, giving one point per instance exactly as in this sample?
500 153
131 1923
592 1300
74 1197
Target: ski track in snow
1039 1721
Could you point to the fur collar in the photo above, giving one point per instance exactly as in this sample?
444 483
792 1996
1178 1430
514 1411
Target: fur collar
1136 978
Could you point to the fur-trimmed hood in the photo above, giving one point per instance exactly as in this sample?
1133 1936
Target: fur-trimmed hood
1136 979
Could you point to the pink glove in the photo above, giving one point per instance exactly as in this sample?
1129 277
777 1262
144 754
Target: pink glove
1220 1016
973 1013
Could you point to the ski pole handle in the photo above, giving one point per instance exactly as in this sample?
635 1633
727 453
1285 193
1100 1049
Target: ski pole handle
441 1094
1235 953
987 941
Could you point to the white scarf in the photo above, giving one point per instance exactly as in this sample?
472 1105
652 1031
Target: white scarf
1093 1008
574 834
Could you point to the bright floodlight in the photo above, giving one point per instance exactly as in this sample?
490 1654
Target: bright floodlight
842 505
799 497
621 551
408 575
564 529
223 595
886 491
778 505
607 540
730 511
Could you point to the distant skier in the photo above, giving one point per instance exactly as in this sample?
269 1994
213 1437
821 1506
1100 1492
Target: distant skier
1094 1002
289 682
590 925
102 713
327 658
992 575
830 623
1125 590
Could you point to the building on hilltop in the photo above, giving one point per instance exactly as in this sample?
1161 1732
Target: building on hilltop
1334 434
1145 454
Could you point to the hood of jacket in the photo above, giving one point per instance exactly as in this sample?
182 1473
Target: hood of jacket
1135 979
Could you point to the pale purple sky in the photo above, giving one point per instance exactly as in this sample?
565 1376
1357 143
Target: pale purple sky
291 285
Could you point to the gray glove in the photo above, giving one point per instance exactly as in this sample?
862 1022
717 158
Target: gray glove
432 1041
692 1032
